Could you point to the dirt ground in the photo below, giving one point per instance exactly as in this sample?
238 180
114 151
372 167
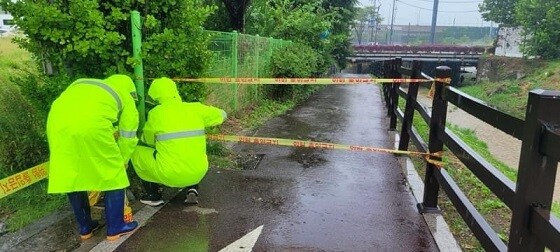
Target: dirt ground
503 146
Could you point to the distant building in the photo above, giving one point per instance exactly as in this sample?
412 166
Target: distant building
509 42
6 22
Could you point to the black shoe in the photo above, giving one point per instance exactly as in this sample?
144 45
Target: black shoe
192 196
152 200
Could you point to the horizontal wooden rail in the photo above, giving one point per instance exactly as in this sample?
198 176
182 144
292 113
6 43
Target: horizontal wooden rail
481 229
500 120
405 71
497 182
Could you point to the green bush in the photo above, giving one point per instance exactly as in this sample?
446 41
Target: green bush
293 61
91 38
22 137
41 90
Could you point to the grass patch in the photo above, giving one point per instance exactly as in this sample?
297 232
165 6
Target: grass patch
511 95
266 110
13 60
28 205
32 203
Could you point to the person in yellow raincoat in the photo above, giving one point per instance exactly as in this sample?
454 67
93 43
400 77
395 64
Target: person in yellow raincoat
84 153
173 142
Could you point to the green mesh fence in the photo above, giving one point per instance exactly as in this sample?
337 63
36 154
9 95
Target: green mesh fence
237 55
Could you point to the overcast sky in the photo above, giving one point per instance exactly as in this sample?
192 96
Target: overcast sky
462 12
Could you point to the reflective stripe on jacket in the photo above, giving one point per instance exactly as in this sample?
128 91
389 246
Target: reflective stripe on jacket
176 129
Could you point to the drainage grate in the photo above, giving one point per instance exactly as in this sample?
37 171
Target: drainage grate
249 161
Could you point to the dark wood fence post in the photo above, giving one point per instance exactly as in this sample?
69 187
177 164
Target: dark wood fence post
537 173
394 96
386 74
409 107
437 128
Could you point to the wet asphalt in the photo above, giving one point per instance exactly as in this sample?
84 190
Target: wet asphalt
305 199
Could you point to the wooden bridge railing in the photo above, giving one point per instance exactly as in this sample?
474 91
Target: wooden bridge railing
532 226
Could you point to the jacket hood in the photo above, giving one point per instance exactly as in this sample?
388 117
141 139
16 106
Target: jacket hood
121 82
163 89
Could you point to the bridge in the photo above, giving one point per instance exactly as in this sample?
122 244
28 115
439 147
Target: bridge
370 57
464 55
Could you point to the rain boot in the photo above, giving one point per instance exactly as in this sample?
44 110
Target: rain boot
114 215
80 205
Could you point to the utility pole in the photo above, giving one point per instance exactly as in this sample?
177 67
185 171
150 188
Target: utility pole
434 21
408 35
373 22
392 21
376 24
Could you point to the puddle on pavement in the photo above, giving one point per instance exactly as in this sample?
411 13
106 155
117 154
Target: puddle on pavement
248 161
307 157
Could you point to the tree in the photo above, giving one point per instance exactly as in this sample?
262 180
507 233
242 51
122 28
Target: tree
365 17
219 20
92 38
541 25
345 14
499 11
236 10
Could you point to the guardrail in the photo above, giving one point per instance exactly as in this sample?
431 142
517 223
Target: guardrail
532 226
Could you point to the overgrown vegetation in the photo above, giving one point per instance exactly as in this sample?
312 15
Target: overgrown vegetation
537 18
511 95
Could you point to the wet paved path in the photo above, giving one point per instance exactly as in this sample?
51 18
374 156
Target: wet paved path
305 199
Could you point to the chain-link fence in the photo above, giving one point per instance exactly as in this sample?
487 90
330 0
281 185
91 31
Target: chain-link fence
238 55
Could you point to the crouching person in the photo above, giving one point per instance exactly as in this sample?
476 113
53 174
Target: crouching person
85 155
173 143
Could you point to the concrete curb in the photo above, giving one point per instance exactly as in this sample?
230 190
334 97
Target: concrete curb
437 225
9 241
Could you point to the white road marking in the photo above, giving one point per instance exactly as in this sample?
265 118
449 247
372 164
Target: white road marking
245 243
200 210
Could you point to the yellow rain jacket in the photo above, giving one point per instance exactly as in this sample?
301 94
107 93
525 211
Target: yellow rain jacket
176 130
85 154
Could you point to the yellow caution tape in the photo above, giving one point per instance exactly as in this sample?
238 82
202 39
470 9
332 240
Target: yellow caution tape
23 179
308 81
26 178
323 145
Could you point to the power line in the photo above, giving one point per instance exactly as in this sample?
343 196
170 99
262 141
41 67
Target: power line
411 5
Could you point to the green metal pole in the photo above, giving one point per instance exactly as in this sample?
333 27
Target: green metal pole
257 50
136 24
257 56
235 43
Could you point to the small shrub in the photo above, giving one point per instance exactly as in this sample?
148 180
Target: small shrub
292 61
